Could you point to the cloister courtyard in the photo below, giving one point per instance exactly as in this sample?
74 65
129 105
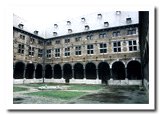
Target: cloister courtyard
42 93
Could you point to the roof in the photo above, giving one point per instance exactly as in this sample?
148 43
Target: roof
94 21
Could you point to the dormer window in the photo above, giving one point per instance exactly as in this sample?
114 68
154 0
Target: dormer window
83 19
55 25
118 12
128 20
106 24
86 27
68 22
54 33
20 26
36 32
69 30
99 16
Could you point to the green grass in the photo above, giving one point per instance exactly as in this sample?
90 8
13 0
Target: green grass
66 95
17 89
85 87
71 86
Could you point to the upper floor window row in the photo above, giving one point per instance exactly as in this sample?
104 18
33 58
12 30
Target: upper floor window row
22 36
116 34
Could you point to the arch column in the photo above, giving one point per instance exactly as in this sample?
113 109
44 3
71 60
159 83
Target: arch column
52 72
97 74
126 76
43 73
62 73
111 76
24 72
72 73
84 72
34 73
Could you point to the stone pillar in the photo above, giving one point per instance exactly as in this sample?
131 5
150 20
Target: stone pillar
34 73
52 72
62 74
84 72
97 74
43 73
72 73
126 76
111 76
24 73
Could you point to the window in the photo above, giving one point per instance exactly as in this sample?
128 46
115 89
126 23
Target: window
67 40
21 48
90 49
22 37
102 35
35 32
69 30
99 16
116 34
106 24
103 47
40 52
67 51
55 25
118 12
68 22
31 51
83 19
77 39
78 50
57 52
128 20
54 33
131 31
57 42
40 42
20 26
86 27
117 46
49 53
49 42
32 40
90 37
132 45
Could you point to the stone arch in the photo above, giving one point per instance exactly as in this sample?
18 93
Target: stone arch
78 71
38 72
48 71
57 71
18 70
90 71
111 64
134 70
29 71
118 70
104 71
67 70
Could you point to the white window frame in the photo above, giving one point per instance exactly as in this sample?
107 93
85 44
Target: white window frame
102 48
78 49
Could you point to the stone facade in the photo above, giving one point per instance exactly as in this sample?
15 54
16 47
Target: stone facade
108 55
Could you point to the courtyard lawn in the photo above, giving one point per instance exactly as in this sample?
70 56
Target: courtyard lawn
85 87
65 95
17 89
71 86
